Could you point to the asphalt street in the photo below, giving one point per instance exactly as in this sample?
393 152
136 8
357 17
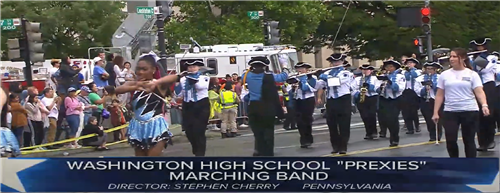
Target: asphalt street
287 144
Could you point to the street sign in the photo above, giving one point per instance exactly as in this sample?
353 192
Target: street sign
148 12
255 15
10 24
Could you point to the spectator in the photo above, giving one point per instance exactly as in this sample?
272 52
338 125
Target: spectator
51 103
100 76
92 128
118 70
110 95
67 77
79 78
117 119
234 77
88 108
54 73
19 117
95 99
35 124
73 110
109 67
128 75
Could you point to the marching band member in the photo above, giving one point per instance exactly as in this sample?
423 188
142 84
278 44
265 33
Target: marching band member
195 106
410 100
389 106
366 96
457 88
497 83
304 102
426 87
338 105
263 103
486 71
148 131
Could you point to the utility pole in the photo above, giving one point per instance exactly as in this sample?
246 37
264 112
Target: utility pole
165 14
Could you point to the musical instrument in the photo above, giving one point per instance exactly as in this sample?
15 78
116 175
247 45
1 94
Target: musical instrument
468 54
383 85
428 96
296 76
363 90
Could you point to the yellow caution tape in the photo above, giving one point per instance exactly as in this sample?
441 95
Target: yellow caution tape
71 140
64 149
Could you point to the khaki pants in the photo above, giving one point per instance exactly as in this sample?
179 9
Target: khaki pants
51 133
228 118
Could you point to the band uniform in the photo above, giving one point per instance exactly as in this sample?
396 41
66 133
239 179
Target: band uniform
390 92
364 89
337 82
410 100
263 100
426 88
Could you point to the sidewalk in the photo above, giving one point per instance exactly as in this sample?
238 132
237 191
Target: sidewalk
176 130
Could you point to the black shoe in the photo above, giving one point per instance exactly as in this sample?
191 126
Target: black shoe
234 134
481 148
393 145
224 135
492 145
335 151
343 152
418 130
410 132
255 154
382 136
369 137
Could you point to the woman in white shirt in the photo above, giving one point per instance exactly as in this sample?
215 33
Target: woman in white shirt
459 88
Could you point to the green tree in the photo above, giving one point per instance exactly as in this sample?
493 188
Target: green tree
370 29
68 27
297 21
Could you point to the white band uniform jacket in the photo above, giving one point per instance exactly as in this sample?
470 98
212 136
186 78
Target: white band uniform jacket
497 75
344 78
421 89
487 74
197 91
373 85
394 90
310 90
410 77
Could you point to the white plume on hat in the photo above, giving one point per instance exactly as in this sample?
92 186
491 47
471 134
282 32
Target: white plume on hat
152 54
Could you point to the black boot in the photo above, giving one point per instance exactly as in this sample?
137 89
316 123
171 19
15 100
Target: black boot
235 134
223 135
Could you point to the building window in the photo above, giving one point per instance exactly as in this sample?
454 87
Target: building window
212 63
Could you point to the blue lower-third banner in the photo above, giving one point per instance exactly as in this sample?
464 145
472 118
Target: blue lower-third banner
250 174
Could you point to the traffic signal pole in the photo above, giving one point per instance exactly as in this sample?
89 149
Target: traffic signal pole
28 72
160 24
429 37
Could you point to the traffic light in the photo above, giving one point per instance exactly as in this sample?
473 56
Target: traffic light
35 42
426 19
166 7
274 32
266 32
418 43
15 48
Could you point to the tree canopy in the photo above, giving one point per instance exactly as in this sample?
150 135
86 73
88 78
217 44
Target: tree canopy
68 27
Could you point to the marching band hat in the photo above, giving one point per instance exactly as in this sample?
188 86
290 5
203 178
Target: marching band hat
412 60
346 64
433 64
480 41
495 53
259 61
366 67
302 65
336 57
395 63
194 63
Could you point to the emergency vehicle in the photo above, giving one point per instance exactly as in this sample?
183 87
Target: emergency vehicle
233 58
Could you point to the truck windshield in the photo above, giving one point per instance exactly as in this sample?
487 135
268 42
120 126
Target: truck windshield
293 57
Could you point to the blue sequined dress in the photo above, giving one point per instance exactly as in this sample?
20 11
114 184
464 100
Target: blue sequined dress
148 127
8 143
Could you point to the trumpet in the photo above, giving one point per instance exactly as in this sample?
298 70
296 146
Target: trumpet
363 90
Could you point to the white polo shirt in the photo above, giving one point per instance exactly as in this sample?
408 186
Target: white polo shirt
458 86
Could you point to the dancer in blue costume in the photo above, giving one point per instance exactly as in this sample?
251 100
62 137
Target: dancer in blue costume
9 145
148 131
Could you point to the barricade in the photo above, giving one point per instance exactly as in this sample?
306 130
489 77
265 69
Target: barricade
28 150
